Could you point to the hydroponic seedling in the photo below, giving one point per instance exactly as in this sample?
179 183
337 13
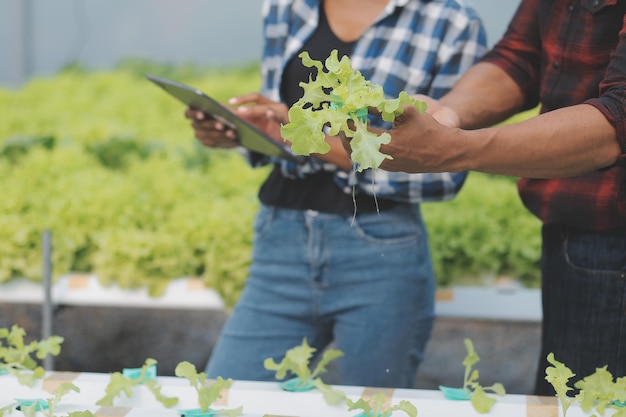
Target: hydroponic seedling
16 356
376 407
207 394
558 375
296 362
29 407
337 100
472 390
126 382
597 391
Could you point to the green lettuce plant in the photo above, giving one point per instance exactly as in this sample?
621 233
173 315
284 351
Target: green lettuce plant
125 384
471 388
207 394
16 356
47 407
377 407
596 392
338 98
297 363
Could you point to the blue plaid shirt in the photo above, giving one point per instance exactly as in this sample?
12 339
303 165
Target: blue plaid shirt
417 46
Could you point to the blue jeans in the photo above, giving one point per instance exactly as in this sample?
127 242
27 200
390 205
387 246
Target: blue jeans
365 284
584 302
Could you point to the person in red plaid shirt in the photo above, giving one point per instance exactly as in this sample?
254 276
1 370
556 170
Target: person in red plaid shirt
569 56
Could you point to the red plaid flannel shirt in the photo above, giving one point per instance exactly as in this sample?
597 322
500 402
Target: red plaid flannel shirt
562 53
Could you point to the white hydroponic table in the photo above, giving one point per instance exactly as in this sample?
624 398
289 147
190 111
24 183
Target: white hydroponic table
259 399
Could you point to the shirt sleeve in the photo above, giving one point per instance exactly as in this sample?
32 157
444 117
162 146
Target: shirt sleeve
612 99
519 52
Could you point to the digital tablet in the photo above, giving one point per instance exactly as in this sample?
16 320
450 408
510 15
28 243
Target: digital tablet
248 136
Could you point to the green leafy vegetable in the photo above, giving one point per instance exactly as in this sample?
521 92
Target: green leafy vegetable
16 356
599 391
331 396
7 409
338 99
596 391
122 384
58 393
206 394
558 375
376 407
47 407
472 389
297 362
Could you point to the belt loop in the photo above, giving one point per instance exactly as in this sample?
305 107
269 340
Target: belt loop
312 213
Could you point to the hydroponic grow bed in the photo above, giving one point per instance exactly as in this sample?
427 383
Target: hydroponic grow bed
259 399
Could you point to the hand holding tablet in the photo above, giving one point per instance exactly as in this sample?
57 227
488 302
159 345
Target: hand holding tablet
248 136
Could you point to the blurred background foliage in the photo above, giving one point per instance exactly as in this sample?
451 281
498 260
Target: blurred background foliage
108 163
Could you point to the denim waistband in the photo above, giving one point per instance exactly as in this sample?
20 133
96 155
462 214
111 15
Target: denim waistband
299 214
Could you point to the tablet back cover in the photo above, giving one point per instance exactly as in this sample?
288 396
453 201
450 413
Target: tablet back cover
249 136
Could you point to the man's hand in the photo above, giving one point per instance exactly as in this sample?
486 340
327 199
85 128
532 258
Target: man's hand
419 143
441 113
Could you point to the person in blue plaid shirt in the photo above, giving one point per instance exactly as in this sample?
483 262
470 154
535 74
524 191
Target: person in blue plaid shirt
341 256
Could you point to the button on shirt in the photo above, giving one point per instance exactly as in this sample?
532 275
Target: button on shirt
563 53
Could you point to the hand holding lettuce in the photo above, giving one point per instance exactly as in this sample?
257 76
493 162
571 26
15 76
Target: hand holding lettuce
338 98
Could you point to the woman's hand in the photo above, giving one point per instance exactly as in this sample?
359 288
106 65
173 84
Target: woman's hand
261 112
211 132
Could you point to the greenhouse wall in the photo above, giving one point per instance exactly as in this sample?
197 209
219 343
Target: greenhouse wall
41 37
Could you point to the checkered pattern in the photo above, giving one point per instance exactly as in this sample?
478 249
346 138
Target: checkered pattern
417 46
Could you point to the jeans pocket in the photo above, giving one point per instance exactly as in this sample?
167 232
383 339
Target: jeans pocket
394 226
595 252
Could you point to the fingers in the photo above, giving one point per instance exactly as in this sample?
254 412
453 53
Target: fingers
255 105
345 141
374 110
265 114
443 114
211 132
275 112
430 102
252 112
249 98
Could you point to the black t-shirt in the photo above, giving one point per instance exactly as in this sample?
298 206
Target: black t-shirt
317 191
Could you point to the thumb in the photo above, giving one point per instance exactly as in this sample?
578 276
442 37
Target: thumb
409 113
